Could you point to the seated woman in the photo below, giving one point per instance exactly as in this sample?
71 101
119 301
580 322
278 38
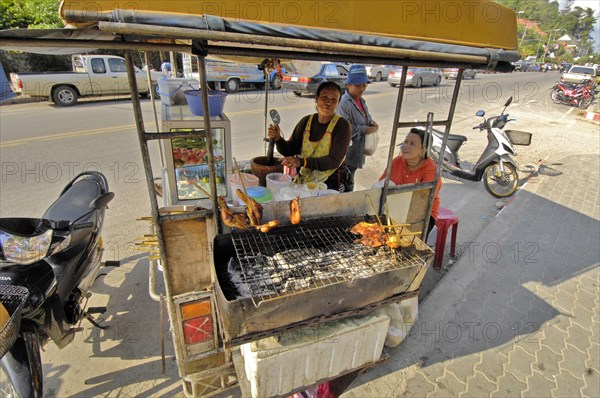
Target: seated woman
319 142
413 166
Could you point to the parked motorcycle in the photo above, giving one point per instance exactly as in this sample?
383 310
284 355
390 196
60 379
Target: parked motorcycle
47 266
495 166
580 94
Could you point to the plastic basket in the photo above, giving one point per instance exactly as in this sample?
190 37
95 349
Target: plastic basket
216 102
13 298
519 137
171 90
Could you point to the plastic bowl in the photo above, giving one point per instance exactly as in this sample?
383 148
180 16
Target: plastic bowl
216 102
256 192
260 194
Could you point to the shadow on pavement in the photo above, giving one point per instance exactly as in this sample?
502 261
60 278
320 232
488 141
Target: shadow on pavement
518 284
133 334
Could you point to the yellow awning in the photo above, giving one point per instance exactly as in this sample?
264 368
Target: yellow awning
484 23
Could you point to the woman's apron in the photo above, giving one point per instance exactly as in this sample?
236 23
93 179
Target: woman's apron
316 149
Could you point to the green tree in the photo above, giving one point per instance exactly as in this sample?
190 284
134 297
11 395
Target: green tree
32 14
575 21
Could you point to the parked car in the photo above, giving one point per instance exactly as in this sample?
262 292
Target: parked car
416 77
578 74
377 72
525 66
92 75
452 73
308 75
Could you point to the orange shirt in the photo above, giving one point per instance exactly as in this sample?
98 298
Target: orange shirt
425 173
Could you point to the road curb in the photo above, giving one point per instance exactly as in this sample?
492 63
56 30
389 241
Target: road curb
592 116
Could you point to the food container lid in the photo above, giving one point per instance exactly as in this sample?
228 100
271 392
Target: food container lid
279 178
327 192
256 192
260 194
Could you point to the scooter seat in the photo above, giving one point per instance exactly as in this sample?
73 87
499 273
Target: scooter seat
75 202
454 137
451 137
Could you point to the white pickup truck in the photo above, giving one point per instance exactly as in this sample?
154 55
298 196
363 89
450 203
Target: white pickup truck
92 75
578 74
377 72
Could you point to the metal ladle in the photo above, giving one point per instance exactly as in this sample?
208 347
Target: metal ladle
276 119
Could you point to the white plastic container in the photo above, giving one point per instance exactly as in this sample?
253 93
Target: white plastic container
291 192
250 180
277 181
327 192
303 356
315 187
171 90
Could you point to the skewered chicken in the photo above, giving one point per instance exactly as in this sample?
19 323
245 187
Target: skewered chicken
231 219
253 208
373 238
396 241
295 211
268 226
364 227
375 235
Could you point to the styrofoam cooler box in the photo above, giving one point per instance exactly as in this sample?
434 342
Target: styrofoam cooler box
302 357
171 90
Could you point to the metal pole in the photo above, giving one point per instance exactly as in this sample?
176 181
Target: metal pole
149 77
266 73
454 100
139 123
173 61
523 37
318 46
209 143
399 99
546 49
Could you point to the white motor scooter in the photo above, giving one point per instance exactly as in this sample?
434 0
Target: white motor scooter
495 166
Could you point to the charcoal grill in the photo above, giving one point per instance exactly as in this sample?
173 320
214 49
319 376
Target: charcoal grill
299 272
316 253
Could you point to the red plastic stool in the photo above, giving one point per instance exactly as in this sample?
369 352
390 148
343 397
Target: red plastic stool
445 220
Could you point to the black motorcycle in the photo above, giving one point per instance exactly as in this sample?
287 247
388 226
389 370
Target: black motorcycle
47 266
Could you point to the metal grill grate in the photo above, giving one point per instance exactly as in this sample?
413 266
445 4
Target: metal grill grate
316 253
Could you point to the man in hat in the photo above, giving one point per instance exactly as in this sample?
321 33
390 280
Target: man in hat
354 108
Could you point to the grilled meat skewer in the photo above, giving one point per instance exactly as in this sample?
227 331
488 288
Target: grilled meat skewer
253 208
231 219
295 211
268 226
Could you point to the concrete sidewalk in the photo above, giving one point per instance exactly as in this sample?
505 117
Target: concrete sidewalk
519 314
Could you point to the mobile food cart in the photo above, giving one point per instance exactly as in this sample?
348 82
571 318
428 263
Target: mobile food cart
280 311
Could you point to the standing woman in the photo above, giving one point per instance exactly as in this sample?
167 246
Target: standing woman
319 142
354 108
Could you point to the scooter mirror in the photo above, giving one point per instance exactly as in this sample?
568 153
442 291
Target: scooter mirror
480 113
508 101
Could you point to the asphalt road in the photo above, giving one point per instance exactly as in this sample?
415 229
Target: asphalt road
43 146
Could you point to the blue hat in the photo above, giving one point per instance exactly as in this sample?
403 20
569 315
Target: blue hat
357 75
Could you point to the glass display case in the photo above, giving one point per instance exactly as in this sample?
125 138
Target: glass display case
186 173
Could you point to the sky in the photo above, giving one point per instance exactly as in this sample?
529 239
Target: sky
595 4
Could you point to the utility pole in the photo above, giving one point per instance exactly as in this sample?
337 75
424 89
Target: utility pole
548 45
524 32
